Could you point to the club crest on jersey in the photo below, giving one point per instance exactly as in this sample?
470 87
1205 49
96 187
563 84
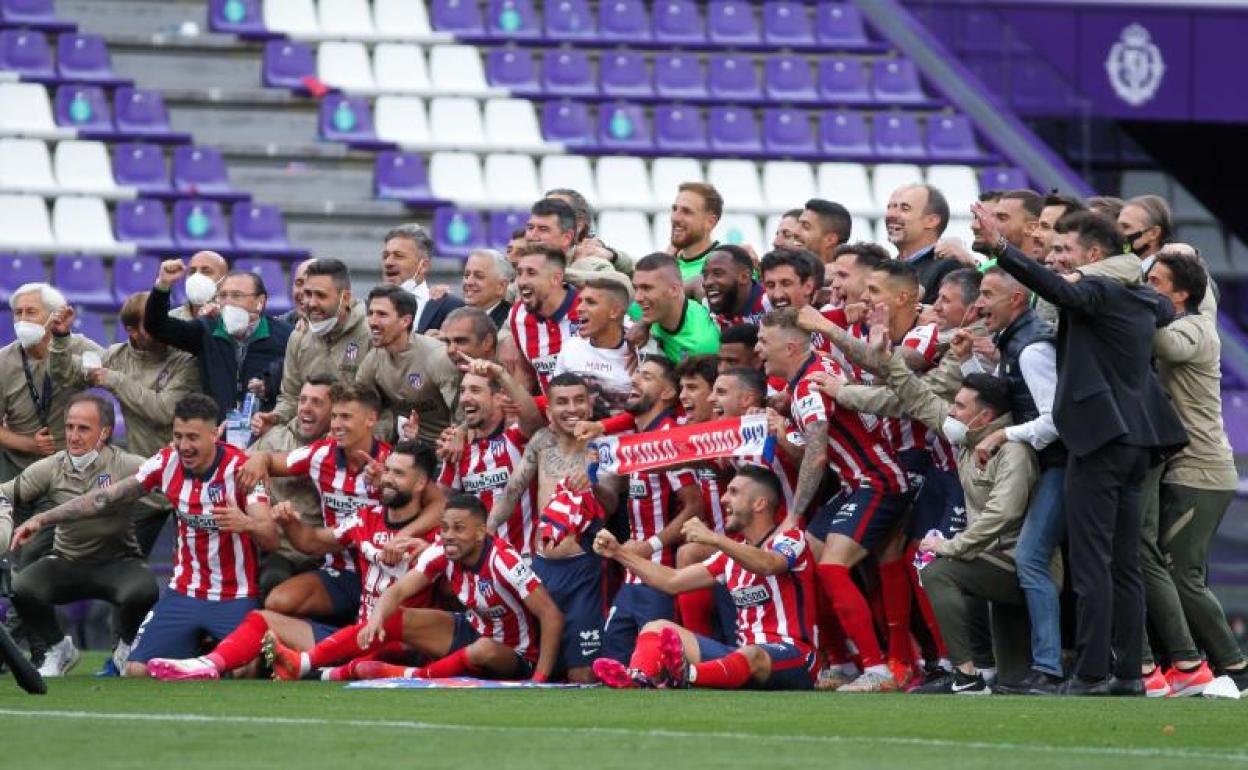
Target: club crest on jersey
216 492
414 380
162 379
352 352
485 587
103 480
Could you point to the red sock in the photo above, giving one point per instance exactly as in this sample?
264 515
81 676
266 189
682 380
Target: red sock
696 610
646 655
728 673
895 585
375 671
925 608
452 665
242 645
852 610
343 644
832 643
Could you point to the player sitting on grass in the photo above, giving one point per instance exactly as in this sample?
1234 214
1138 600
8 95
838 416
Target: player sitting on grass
770 575
382 537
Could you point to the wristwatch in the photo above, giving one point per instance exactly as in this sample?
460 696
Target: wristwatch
1000 245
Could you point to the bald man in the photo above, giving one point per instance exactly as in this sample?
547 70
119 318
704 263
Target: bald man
211 265
292 316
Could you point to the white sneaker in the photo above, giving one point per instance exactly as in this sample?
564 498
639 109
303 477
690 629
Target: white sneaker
61 658
121 653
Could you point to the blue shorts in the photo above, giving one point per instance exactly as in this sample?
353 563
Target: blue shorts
575 585
941 505
791 669
465 635
343 588
177 624
320 631
635 606
864 515
725 624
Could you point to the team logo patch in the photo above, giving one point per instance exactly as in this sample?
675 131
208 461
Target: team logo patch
162 379
103 480
352 352
216 492
414 380
485 587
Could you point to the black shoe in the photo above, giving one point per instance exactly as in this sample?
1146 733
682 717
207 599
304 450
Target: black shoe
1082 687
1126 688
1035 683
935 683
968 684
1240 678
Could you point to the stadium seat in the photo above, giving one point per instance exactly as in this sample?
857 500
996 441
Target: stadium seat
199 225
26 53
84 58
843 80
897 136
201 172
623 183
144 223
733 77
345 65
960 228
511 179
90 325
402 176
260 229
951 138
734 130
886 177
787 183
731 22
512 20
402 120
679 128
456 176
26 110
244 18
85 109
84 167
400 67
788 132
346 119
142 167
456 69
742 230
861 228
408 19
679 76
288 64
788 78
26 167
133 274
661 231
880 234
567 73
502 225
512 124
274 277
625 74
81 223
839 25
457 231
291 17
737 181
627 231
849 185
24 223
787 23
18 269
896 81
569 20
568 171
677 22
958 183
568 123
1002 178
623 127
512 69
457 17
141 112
983 31
666 177
844 134
83 281
623 21
32 14
346 19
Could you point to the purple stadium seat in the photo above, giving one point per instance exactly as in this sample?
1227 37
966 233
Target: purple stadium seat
141 112
897 135
839 24
503 224
1034 85
32 14
27 53
83 280
402 176
199 225
133 274
84 58
84 108
843 134
91 326
512 20
623 21
624 74
843 80
144 223
274 277
201 172
568 123
141 166
677 21
896 81
347 119
6 326
731 22
287 64
568 73
1002 178
513 69
788 132
733 77
679 76
623 127
457 231
244 18
569 20
788 78
951 137
679 128
459 17
260 229
786 22
734 130
17 269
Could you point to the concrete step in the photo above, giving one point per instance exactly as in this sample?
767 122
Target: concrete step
136 17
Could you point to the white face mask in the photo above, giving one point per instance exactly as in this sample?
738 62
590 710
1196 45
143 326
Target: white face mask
29 334
235 318
83 462
954 430
326 325
200 289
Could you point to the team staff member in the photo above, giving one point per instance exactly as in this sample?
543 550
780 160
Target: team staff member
916 217
679 326
204 274
406 256
487 274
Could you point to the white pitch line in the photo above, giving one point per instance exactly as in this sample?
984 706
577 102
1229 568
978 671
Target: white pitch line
628 733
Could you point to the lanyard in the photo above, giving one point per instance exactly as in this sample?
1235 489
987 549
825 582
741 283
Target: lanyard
43 403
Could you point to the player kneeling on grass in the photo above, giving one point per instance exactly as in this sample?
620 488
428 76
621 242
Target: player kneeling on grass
770 575
385 539
508 609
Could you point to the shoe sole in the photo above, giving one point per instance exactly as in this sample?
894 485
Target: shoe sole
614 676
268 648
1188 691
672 657
166 672
972 693
1157 693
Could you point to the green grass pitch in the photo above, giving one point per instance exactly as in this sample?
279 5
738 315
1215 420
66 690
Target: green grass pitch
121 723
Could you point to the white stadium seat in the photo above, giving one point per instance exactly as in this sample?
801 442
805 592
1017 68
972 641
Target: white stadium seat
512 124
83 224
399 67
456 69
346 19
628 231
788 184
25 110
770 226
666 177
624 183
862 229
345 66
511 180
737 181
26 167
296 18
886 177
84 167
848 185
571 171
457 176
742 230
401 19
455 121
881 235
402 120
960 227
24 224
960 184
660 233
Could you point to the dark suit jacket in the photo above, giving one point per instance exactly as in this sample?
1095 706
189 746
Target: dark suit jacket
1106 388
435 312
931 272
500 313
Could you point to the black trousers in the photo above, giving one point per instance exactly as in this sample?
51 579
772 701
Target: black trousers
126 583
1104 512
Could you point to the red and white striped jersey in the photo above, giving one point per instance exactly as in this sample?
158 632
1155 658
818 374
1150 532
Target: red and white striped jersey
756 307
904 433
652 500
483 469
857 448
493 592
775 609
342 493
366 534
540 339
712 505
207 563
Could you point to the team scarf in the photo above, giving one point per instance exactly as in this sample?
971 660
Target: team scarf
569 512
733 437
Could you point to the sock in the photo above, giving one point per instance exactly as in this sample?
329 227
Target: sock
242 645
378 671
343 644
852 611
895 586
452 665
832 643
925 605
646 655
696 610
728 673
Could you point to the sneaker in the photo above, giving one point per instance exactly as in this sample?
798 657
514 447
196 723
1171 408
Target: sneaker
60 660
1240 678
1155 684
1186 683
935 683
1077 686
832 679
614 674
871 681
182 669
287 664
672 657
108 670
120 656
1034 683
